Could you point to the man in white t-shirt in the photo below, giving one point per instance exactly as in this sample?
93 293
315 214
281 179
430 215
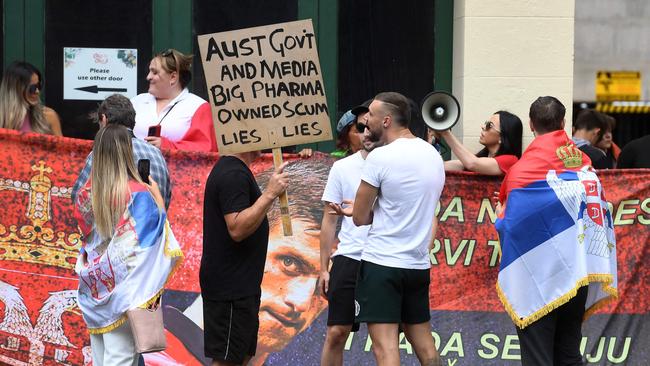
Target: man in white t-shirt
338 283
400 186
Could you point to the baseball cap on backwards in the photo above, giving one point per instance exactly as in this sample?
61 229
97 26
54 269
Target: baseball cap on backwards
363 108
345 120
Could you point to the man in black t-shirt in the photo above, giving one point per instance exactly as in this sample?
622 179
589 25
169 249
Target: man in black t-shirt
235 239
636 154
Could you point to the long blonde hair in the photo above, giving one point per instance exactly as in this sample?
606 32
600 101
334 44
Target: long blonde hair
111 170
13 99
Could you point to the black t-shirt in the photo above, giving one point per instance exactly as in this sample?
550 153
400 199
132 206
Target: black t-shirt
598 158
636 154
231 270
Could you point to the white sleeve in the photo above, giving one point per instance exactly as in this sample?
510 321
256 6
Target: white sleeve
333 191
373 171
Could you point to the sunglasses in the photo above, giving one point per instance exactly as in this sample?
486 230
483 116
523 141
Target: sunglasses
489 125
361 128
170 53
32 88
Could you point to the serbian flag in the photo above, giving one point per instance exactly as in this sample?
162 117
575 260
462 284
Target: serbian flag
556 232
131 269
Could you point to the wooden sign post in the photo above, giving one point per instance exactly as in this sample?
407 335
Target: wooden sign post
266 90
284 198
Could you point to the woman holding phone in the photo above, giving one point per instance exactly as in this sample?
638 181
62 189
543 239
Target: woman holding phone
128 252
169 116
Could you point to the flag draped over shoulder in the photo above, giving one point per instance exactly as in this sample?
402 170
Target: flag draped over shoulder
132 268
556 232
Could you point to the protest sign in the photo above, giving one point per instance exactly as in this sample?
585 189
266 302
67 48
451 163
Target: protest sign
265 87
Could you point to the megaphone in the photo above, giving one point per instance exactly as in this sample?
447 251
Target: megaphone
440 110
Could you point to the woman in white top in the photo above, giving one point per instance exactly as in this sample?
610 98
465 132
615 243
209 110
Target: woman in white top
184 119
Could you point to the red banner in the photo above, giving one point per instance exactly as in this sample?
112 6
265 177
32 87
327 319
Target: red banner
41 325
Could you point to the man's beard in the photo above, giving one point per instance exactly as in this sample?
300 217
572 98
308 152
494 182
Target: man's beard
376 137
372 145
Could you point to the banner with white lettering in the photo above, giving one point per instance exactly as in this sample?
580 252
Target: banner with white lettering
40 323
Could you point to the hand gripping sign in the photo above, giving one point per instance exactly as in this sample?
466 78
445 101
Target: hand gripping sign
266 90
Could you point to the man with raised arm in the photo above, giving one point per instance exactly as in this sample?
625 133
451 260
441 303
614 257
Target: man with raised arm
235 240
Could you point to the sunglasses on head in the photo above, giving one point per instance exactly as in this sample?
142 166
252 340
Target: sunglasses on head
32 88
489 125
361 128
170 53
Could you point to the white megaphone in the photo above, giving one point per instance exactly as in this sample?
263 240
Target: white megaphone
440 110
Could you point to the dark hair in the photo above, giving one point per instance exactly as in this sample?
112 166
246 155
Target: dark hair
33 70
171 60
588 119
118 110
417 126
397 105
343 138
546 114
610 125
511 131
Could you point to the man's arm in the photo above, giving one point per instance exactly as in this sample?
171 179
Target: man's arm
327 239
244 223
363 203
434 230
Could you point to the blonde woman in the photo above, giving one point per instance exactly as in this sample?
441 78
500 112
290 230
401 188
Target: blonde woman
20 103
178 119
129 252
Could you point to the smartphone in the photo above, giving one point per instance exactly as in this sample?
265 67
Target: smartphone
154 131
143 170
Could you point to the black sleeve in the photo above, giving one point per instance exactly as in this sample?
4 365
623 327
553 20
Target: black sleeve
234 192
597 158
600 162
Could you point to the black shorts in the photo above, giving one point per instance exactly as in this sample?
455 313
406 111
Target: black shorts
230 328
340 295
392 295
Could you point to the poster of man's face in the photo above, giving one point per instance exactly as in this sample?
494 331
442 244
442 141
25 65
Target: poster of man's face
289 303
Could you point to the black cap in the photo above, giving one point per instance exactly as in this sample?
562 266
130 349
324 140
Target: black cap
363 108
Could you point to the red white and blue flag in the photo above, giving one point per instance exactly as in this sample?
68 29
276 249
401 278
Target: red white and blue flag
130 270
556 232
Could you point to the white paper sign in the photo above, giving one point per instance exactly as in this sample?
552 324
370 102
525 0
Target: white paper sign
95 73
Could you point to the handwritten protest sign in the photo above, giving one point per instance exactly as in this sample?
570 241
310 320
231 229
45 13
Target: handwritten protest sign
265 87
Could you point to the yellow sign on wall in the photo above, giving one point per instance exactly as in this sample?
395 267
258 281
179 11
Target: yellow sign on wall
618 85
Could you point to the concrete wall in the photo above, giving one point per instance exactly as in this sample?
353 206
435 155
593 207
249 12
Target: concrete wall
610 35
506 54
